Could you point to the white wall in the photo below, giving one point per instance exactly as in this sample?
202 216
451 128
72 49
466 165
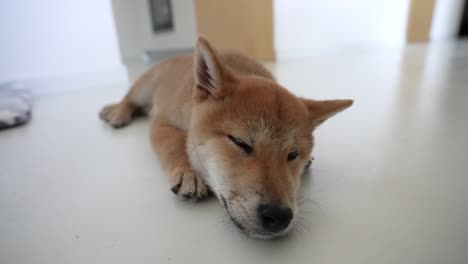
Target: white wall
301 27
446 20
307 27
128 27
51 38
133 22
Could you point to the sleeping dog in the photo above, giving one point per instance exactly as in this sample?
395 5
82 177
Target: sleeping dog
222 124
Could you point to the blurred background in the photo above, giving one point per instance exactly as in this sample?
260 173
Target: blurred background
95 40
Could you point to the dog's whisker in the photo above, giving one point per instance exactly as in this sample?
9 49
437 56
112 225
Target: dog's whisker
194 150
233 192
227 223
306 212
298 231
196 146
199 160
299 228
303 225
236 200
218 190
304 200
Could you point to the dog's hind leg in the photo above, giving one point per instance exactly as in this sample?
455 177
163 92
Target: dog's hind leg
137 101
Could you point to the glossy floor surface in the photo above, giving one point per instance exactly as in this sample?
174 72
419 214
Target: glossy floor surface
389 181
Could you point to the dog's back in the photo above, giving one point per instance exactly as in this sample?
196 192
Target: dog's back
166 88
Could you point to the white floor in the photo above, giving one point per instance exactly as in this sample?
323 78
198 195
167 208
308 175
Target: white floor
390 175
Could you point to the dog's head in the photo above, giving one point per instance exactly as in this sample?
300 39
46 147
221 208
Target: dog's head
251 139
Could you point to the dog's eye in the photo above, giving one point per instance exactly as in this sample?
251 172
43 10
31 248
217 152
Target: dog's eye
241 144
293 155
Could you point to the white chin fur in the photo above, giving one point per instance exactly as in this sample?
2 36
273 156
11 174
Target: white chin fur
269 235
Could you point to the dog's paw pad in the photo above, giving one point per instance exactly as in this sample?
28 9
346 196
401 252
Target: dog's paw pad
189 186
116 115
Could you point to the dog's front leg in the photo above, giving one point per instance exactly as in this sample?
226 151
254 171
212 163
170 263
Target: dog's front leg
169 144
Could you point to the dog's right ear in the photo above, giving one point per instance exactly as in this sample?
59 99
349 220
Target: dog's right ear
319 111
211 77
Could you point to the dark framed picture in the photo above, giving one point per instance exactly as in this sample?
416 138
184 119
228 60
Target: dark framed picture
161 15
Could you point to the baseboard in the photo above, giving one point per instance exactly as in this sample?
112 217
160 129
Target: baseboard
158 55
73 82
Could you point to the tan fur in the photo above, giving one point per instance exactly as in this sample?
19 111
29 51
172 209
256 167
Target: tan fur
198 101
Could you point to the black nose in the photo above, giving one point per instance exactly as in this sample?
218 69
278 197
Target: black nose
274 218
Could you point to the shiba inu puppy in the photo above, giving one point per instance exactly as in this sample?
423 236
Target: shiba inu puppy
221 123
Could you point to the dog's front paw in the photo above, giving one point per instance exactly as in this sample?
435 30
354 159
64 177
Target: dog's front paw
116 115
189 185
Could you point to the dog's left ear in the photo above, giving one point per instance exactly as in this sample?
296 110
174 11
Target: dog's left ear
212 78
319 111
